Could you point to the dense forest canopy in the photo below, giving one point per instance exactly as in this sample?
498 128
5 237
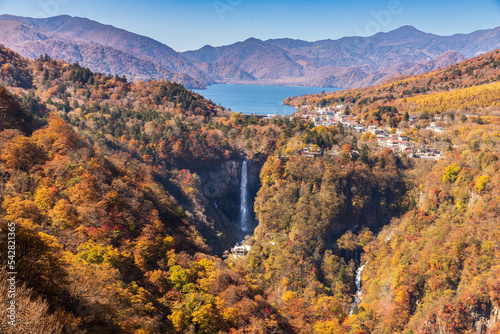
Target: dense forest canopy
115 233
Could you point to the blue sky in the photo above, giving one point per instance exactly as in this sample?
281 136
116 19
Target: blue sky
187 25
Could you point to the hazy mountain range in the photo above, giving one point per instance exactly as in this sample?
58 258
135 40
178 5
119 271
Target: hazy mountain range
346 62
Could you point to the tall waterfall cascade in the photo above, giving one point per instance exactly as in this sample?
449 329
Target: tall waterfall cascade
244 223
359 293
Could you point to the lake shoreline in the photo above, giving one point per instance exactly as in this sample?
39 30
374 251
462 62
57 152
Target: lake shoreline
257 99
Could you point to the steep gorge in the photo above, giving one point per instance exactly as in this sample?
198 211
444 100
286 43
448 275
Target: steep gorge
220 185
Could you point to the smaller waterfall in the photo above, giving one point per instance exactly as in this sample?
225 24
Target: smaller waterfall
359 293
244 225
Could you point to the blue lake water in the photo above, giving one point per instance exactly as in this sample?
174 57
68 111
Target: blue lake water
258 100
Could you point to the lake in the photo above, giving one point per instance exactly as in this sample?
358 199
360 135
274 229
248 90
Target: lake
258 100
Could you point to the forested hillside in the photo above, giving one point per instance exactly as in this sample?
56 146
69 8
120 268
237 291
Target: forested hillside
436 268
469 86
124 197
102 244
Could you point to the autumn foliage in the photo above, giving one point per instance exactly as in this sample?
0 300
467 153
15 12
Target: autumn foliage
115 234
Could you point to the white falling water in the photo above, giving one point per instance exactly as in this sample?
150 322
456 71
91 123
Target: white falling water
359 293
244 200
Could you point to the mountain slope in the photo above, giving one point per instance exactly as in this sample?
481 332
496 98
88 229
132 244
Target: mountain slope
346 62
112 199
108 233
260 59
100 47
350 61
471 85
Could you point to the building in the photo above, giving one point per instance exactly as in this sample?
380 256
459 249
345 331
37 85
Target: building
240 250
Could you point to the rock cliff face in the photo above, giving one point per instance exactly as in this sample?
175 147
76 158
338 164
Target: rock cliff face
221 180
254 167
220 186
485 320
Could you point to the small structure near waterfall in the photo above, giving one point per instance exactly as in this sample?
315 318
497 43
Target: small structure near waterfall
239 251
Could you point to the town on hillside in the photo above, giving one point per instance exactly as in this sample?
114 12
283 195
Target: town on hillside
385 137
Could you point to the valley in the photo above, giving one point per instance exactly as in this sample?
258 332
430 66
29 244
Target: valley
369 210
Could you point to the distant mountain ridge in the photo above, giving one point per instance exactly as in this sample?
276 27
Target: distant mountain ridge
346 62
100 47
350 61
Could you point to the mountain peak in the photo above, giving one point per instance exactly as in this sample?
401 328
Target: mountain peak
407 28
105 48
405 31
402 33
101 47
253 40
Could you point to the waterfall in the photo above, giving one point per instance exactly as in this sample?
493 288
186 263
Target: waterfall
244 198
359 293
